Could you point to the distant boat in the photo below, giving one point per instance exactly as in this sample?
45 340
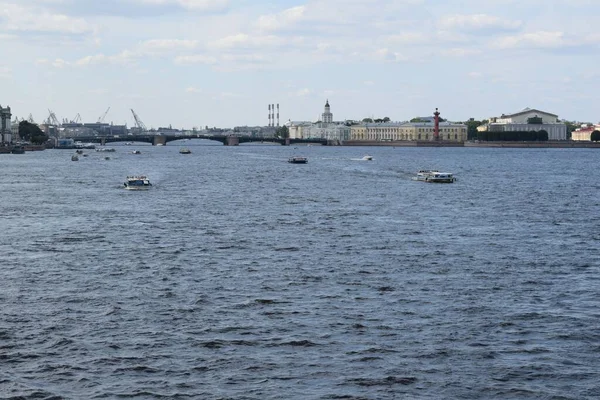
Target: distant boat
367 158
298 160
185 150
18 150
137 182
74 157
136 152
106 149
433 176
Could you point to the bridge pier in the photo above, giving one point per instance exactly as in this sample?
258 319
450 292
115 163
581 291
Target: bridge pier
232 141
287 142
159 139
103 142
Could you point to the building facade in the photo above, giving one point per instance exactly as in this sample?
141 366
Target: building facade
529 119
423 130
408 131
5 125
327 116
584 134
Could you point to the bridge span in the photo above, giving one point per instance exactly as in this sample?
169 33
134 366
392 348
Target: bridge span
227 140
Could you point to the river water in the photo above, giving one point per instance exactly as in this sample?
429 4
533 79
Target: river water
240 276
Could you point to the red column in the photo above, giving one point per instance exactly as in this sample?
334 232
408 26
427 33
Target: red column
436 130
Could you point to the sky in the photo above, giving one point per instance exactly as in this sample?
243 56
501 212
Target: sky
196 63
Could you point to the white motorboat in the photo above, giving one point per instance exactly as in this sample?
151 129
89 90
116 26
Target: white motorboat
433 176
185 150
298 160
137 182
367 158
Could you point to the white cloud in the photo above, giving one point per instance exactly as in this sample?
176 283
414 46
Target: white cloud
478 22
242 40
18 18
5 72
195 59
385 54
192 89
281 20
302 92
196 5
542 39
160 46
460 52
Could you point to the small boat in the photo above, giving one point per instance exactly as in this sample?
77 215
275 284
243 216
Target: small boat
136 152
106 149
137 182
185 150
107 158
367 158
433 176
298 160
74 157
79 151
18 150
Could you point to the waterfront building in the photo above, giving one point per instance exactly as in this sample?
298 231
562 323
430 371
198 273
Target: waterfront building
584 133
528 119
5 125
327 116
409 131
298 129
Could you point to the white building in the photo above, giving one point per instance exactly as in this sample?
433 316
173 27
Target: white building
327 116
298 129
324 129
5 125
584 133
529 119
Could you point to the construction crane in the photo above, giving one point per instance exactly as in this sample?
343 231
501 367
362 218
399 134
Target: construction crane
52 120
101 119
138 122
77 118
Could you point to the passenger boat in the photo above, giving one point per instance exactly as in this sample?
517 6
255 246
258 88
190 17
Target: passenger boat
433 176
185 150
106 149
137 182
298 160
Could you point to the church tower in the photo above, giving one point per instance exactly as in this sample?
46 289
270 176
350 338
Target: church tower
327 116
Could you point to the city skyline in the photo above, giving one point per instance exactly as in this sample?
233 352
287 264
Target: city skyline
192 63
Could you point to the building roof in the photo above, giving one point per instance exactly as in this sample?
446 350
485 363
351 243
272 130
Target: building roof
527 110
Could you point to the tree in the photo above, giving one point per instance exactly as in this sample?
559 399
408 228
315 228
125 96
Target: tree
31 133
386 119
542 136
472 128
367 120
282 132
595 136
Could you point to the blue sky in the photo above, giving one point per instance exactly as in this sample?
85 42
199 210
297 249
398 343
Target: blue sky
221 62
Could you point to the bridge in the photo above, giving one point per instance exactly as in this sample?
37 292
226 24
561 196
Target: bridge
227 140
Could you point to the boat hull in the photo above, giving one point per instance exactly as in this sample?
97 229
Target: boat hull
298 160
